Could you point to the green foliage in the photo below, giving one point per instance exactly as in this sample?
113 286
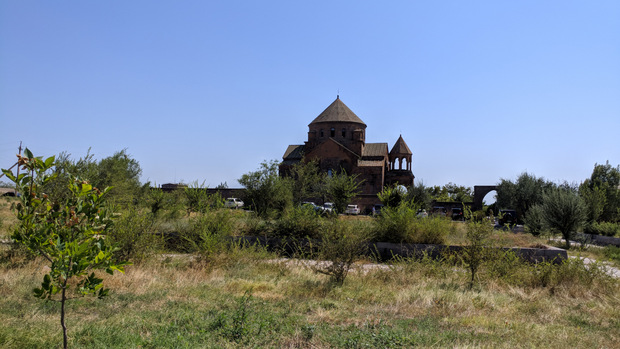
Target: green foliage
266 192
603 228
393 195
341 244
595 200
401 225
122 174
307 181
526 192
69 234
119 172
451 193
601 193
207 234
198 200
298 222
563 211
157 201
419 195
134 236
475 252
534 222
341 188
612 252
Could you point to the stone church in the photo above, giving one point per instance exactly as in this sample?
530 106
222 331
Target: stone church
337 138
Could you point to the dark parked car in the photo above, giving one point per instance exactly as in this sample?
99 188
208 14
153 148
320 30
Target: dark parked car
439 211
507 217
376 209
457 214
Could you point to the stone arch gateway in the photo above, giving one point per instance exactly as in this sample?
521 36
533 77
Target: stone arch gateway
480 191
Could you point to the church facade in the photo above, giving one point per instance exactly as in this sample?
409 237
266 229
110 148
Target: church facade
337 139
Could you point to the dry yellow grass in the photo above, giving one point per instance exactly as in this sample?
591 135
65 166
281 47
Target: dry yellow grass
407 298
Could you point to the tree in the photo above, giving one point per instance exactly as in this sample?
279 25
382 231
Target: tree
474 253
341 188
526 192
393 195
266 192
341 244
306 180
419 195
451 193
69 234
604 192
594 198
563 211
119 171
122 173
534 222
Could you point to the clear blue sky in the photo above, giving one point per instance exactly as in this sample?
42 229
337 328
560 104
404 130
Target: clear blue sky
204 90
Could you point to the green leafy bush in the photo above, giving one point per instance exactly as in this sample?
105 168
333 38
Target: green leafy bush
341 244
475 252
612 252
70 234
134 236
401 225
299 222
208 233
603 228
534 222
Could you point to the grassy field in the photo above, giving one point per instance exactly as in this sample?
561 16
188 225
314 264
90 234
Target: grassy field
249 298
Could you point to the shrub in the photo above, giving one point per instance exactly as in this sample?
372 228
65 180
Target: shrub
401 225
395 223
341 244
612 252
432 230
253 225
134 237
198 200
208 233
393 195
474 253
69 234
563 211
603 228
534 222
299 222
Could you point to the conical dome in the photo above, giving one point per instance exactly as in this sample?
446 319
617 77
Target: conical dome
337 112
400 148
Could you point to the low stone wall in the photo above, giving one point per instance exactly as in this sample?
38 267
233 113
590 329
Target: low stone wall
386 251
599 240
535 255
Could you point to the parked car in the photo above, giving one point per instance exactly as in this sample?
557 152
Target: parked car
507 217
457 214
233 203
328 207
422 213
312 205
376 209
439 211
352 209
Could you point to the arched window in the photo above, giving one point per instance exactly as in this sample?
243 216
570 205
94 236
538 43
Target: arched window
332 132
322 135
344 133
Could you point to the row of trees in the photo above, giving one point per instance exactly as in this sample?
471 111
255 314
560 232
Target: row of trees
267 193
594 204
